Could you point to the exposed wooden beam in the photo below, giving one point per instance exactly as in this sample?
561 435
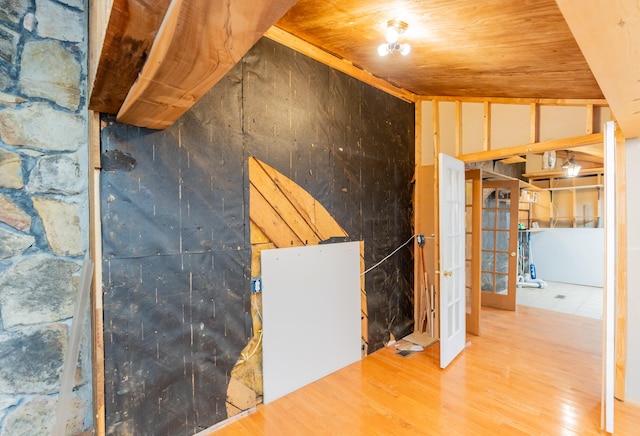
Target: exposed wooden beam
607 33
538 147
127 38
293 42
507 100
559 174
198 42
592 150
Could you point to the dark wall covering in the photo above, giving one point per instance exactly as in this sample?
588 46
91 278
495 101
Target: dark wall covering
175 208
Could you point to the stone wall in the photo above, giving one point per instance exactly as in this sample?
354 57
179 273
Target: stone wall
43 209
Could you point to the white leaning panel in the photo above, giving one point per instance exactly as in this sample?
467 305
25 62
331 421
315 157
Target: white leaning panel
311 314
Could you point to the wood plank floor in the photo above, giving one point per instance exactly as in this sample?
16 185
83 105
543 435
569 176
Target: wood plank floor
531 372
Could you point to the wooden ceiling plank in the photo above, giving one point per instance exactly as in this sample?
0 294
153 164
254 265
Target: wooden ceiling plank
539 147
127 38
198 42
607 33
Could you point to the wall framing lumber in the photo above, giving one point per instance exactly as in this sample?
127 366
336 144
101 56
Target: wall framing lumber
589 128
486 138
95 249
98 16
539 147
198 42
507 100
621 297
534 117
458 134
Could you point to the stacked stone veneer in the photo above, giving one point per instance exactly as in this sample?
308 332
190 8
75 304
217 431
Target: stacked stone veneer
43 209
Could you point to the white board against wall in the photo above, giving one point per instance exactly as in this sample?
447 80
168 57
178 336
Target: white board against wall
569 255
311 314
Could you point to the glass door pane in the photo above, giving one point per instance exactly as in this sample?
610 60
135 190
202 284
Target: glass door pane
499 241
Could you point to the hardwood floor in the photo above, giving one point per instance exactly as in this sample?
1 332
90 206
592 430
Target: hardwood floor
531 372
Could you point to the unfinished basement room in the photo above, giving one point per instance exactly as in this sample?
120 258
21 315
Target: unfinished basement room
319 217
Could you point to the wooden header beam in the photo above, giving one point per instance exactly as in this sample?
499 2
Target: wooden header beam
128 34
539 147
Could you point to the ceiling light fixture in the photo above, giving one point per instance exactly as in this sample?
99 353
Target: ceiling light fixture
395 29
571 168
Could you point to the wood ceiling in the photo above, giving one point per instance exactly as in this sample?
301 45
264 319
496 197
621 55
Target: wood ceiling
153 60
467 48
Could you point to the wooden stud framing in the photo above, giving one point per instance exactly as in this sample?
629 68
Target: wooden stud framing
436 216
95 248
589 128
436 129
418 135
486 139
533 123
417 217
98 16
458 145
621 303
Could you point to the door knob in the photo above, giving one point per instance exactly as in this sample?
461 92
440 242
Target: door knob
513 254
448 273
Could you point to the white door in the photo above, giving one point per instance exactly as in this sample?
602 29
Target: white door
451 203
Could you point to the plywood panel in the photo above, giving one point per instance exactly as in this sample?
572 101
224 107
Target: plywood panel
510 125
311 315
282 214
428 151
472 127
447 127
573 122
601 114
609 51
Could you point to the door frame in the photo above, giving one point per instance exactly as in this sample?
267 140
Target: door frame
474 250
619 224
